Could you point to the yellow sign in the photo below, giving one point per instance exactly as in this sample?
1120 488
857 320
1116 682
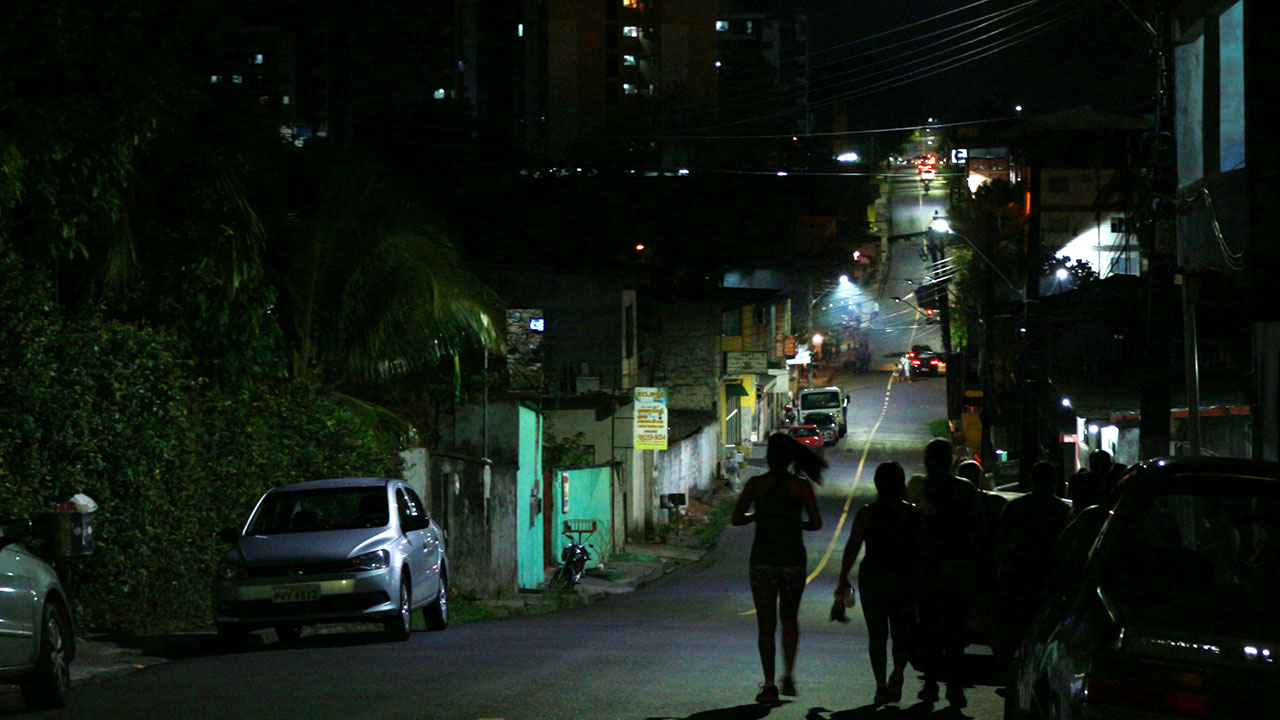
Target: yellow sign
649 429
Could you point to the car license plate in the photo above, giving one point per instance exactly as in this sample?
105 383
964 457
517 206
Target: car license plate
296 593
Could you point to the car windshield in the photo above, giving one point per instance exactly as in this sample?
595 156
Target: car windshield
322 509
819 420
820 400
804 431
1205 552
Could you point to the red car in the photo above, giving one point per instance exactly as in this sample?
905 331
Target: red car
809 435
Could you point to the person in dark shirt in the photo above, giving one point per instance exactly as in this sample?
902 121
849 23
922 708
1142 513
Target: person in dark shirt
1089 487
889 576
1029 529
954 531
983 610
778 560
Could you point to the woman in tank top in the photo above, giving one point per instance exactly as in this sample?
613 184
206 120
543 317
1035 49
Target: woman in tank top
781 501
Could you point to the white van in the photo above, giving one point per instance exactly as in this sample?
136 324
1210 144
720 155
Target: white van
829 400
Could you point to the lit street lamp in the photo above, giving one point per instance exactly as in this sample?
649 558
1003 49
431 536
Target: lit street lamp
941 225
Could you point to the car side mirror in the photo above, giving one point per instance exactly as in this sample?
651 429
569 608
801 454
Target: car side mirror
14 530
417 523
228 535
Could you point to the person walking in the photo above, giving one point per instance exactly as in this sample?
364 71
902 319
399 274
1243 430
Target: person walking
778 560
1029 529
954 529
889 576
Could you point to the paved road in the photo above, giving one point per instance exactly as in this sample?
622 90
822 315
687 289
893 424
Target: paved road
899 324
682 647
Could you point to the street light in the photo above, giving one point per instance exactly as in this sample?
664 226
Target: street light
941 225
911 305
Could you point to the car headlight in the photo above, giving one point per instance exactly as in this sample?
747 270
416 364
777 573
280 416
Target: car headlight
376 560
228 570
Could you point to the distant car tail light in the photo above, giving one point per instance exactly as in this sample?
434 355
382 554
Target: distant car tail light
933 362
915 362
911 354
1162 700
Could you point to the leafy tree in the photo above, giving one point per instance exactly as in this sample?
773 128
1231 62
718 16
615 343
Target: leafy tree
373 290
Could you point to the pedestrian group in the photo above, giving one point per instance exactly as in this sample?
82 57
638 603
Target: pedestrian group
941 557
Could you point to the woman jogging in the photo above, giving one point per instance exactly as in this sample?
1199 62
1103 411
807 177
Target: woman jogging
778 556
892 529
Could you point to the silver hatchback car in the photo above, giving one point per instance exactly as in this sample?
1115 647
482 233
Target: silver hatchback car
339 550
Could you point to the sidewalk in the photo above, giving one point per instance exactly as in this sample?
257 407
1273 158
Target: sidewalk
101 657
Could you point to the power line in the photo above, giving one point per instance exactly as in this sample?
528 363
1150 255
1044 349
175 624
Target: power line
943 66
773 94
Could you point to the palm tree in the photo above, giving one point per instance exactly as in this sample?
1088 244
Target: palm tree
374 290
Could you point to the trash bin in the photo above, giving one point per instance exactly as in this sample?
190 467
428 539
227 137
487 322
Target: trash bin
67 534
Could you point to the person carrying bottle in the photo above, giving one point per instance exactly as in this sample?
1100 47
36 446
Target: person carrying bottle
888 578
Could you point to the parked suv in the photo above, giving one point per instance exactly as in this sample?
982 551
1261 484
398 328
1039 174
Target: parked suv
37 640
340 550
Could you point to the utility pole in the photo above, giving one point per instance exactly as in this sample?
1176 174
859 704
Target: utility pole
1032 373
1157 235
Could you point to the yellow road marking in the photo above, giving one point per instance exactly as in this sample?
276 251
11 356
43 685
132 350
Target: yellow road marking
857 477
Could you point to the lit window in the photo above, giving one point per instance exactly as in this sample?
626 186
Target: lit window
264 99
237 79
257 59
629 89
722 26
631 3
284 99
438 94
631 31
750 27
215 79
628 59
520 30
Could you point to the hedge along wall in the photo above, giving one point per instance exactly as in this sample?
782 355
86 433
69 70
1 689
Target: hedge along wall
112 410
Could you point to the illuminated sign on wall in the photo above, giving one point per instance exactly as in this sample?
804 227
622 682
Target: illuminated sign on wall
649 429
537 324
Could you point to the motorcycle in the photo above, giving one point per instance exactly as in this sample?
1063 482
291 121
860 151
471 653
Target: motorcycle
573 561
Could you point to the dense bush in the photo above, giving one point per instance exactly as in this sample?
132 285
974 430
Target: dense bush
113 410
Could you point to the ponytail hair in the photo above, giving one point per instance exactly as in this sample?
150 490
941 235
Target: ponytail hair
784 450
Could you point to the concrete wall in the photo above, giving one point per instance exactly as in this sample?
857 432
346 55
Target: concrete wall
689 466
482 516
687 359
585 321
582 495
529 504
609 435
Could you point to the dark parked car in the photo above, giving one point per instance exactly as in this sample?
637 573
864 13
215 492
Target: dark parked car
350 549
924 361
1173 609
826 425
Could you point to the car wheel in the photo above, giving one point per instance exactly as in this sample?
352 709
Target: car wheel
47 687
562 580
436 614
398 627
288 632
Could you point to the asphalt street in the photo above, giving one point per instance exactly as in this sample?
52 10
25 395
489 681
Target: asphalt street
682 647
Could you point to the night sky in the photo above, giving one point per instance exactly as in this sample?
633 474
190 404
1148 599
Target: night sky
1075 52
